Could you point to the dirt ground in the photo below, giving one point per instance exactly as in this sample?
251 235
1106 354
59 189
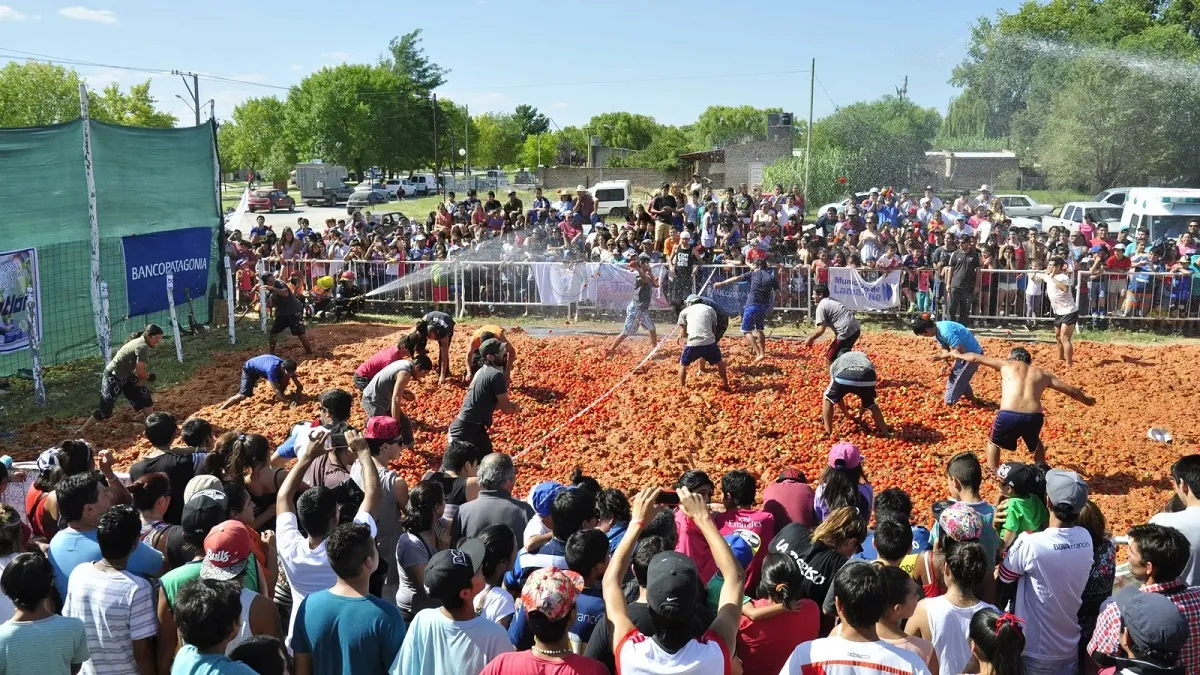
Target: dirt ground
649 430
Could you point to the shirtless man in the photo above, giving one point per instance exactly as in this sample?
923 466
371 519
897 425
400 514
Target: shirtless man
1020 415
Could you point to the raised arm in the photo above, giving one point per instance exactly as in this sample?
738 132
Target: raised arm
285 498
1072 391
729 607
615 608
971 357
370 477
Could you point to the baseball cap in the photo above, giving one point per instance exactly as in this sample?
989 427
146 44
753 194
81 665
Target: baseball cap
1023 478
382 428
543 496
552 592
204 511
685 235
226 551
491 346
1152 619
844 456
791 474
1066 487
672 582
199 484
452 570
692 298
644 257
744 544
961 522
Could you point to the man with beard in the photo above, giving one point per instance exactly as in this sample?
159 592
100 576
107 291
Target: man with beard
488 391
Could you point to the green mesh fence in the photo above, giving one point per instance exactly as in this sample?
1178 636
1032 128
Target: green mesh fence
147 180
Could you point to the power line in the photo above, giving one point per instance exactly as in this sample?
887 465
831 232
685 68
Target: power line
835 106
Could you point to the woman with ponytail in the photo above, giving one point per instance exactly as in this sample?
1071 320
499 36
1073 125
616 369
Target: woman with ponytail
425 534
12 543
151 497
779 620
997 642
943 620
126 374
246 459
55 464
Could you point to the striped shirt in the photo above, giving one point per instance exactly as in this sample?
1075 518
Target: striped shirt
116 608
49 646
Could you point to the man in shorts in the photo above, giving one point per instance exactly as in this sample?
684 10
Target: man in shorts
289 312
837 317
699 322
278 372
638 312
763 284
488 391
1062 302
852 373
1020 415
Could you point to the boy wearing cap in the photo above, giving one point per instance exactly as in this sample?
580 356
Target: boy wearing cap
488 391
227 557
1046 572
115 605
345 629
539 530
1024 490
549 599
387 438
673 593
637 313
452 638
699 322
276 371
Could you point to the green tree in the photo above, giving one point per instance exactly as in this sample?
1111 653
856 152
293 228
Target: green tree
135 109
258 141
227 133
496 140
531 121
662 153
34 94
406 57
889 136
622 130
721 125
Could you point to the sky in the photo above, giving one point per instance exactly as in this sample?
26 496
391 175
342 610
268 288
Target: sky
571 59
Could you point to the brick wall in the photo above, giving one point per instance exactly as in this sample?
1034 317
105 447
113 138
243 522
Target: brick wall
971 172
739 157
554 177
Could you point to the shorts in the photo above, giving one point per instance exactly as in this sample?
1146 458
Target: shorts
1009 426
1066 319
111 387
840 345
473 433
1007 286
636 316
360 382
249 379
293 322
662 230
836 391
754 318
710 353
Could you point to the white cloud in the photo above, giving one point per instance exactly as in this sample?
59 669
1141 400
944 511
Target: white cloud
80 13
559 105
336 56
9 14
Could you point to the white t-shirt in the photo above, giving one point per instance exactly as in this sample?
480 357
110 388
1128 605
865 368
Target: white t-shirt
494 604
437 644
534 528
839 656
307 568
638 654
1062 302
701 322
1053 567
1186 521
116 608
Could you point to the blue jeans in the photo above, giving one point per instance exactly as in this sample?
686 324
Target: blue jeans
959 382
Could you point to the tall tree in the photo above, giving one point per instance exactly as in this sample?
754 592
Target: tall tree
623 130
891 136
722 125
406 57
135 109
258 141
530 120
33 94
496 140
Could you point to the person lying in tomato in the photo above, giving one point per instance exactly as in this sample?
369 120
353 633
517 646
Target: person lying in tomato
473 358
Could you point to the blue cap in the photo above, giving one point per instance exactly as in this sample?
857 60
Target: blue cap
543 496
744 545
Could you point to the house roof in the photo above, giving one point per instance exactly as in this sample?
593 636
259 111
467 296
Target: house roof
971 154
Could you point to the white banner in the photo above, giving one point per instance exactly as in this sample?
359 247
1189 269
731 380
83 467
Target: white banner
610 285
559 284
850 289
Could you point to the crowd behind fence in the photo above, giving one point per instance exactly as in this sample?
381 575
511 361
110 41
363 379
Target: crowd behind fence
999 296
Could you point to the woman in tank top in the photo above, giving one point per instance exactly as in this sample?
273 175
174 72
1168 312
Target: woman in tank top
247 458
55 464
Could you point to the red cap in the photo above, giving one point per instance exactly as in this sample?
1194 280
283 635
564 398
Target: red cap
382 428
226 551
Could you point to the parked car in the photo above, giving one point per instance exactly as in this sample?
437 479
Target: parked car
1024 206
613 197
270 200
399 188
364 197
380 189
1115 196
423 184
859 197
1072 214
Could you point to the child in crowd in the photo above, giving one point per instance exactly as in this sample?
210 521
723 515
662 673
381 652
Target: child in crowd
538 531
1024 489
903 593
208 614
779 620
745 546
36 641
843 483
997 642
493 602
964 476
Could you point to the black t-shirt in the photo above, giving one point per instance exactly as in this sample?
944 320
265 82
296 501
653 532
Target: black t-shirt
963 266
180 466
818 563
600 645
663 201
491 205
482 396
514 205
286 305
645 292
762 284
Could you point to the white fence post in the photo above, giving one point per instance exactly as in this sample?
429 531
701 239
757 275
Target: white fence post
105 342
35 345
230 296
262 297
100 313
174 319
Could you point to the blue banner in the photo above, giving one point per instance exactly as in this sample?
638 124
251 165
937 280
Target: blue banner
149 258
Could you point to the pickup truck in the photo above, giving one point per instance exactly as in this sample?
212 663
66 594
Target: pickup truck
1024 206
1072 213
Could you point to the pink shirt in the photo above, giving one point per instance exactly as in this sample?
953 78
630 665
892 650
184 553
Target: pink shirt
692 544
380 360
761 523
529 663
790 502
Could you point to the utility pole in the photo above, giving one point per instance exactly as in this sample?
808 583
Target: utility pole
437 159
467 136
212 109
193 89
812 83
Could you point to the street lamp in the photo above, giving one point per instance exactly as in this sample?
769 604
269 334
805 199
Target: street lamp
187 103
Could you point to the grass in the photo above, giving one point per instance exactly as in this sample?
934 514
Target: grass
73 389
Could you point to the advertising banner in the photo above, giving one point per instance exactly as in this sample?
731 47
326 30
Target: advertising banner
18 273
849 288
149 258
559 284
610 286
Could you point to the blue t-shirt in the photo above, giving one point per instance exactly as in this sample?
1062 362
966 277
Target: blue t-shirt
762 284
589 611
348 635
268 366
70 548
552 554
951 335
189 661
44 647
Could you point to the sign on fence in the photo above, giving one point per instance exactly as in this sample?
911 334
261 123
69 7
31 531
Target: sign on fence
610 286
848 287
18 274
149 258
559 284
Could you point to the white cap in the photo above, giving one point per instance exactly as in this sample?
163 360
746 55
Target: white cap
685 235
874 189
580 189
985 188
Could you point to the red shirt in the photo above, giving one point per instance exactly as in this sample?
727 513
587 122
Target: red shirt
1115 263
790 502
529 663
764 646
761 523
380 360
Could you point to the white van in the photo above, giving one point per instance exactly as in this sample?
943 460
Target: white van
613 197
1163 211
424 183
